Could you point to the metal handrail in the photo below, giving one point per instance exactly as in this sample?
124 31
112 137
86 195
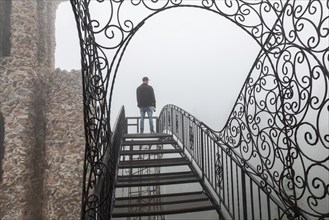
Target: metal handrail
231 181
279 117
133 122
99 202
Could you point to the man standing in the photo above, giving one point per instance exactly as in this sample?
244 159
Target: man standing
146 103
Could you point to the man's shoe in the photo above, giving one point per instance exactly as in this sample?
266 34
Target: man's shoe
152 131
142 131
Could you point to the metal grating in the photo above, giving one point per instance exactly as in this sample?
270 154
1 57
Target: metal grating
148 142
170 204
161 151
158 179
154 163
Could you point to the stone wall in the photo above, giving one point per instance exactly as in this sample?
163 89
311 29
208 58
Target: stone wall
64 146
2 138
17 75
42 108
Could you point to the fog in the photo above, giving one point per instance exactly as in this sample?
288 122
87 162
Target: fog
195 59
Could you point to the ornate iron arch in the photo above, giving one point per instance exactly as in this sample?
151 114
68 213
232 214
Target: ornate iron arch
282 109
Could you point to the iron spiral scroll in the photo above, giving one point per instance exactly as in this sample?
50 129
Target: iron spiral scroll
279 122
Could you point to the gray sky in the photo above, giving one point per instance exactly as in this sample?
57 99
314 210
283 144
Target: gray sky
195 59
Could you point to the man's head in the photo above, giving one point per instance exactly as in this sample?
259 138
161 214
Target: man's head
145 79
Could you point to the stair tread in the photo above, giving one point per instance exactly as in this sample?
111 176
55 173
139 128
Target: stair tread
162 204
153 162
157 179
160 151
148 142
145 135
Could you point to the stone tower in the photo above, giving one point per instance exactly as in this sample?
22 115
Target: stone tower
42 150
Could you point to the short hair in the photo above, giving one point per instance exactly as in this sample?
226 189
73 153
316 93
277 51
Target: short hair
145 78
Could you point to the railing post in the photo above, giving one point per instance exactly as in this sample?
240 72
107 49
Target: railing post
202 155
125 126
167 120
172 121
183 133
244 194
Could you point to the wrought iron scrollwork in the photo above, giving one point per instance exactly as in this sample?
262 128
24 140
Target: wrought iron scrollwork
279 123
176 123
278 120
191 137
219 171
169 119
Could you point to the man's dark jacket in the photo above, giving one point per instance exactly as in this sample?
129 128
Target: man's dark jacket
145 96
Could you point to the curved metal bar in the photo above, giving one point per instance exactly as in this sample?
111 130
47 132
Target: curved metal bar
279 118
227 173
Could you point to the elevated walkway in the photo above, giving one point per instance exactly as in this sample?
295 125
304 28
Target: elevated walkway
147 162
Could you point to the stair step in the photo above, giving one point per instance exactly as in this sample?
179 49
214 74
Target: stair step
145 135
162 204
157 179
153 163
147 142
161 151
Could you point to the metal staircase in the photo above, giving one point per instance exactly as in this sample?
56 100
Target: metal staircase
262 163
150 152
